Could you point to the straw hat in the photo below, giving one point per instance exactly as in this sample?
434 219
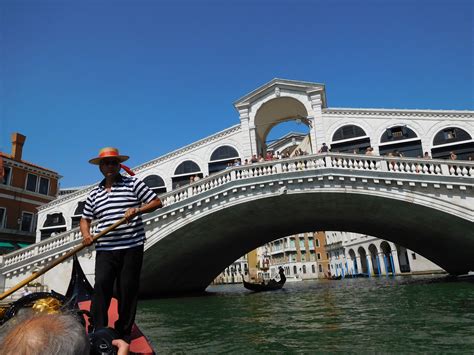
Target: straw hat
108 152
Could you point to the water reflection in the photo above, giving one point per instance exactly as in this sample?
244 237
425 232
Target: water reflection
405 314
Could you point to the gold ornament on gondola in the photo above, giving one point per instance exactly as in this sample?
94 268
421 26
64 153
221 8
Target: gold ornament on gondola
49 305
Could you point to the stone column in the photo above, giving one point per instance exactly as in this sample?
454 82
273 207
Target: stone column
370 269
359 265
317 129
383 264
248 143
396 262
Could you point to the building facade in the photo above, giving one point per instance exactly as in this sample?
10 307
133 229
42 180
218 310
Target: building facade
353 254
303 257
24 187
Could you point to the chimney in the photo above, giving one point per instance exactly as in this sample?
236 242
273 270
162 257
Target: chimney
17 145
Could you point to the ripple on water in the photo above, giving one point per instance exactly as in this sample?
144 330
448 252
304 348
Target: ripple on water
407 314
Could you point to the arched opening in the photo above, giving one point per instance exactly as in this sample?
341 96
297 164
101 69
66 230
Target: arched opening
387 257
273 113
54 224
400 139
403 259
221 158
76 217
288 139
374 259
350 139
353 267
156 183
184 172
364 265
453 139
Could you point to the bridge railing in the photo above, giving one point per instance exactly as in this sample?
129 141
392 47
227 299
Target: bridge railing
432 167
55 246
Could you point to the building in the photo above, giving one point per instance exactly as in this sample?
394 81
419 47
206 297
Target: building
303 257
24 187
357 254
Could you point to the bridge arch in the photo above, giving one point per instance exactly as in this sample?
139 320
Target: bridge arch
54 224
278 215
183 172
403 138
452 138
156 183
221 156
350 137
274 112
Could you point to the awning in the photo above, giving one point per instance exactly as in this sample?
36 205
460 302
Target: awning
6 245
23 245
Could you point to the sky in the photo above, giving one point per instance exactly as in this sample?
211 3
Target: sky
150 77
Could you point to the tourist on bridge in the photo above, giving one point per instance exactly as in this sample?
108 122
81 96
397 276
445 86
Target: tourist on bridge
119 254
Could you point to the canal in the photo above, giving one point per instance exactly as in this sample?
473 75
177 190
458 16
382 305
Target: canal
402 314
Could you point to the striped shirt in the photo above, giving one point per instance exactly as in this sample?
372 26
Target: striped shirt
109 207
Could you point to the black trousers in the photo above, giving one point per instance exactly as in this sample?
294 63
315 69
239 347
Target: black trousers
121 266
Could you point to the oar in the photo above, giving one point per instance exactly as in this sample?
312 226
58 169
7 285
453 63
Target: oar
59 260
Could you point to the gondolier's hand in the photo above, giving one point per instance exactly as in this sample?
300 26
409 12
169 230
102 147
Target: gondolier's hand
87 239
122 346
130 213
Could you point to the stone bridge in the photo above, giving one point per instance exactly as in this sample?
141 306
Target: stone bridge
424 205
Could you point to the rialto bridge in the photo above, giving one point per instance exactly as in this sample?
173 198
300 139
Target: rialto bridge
424 205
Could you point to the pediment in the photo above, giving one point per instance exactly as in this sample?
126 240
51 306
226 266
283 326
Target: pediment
276 85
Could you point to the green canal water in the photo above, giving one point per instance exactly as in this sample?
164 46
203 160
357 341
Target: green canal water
404 314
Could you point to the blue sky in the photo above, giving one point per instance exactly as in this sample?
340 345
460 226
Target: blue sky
152 76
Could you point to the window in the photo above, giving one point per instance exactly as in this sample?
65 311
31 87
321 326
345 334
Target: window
318 256
76 218
31 181
155 183
3 215
320 268
187 167
413 255
304 269
6 175
224 152
32 184
347 132
295 270
26 222
449 134
313 269
43 186
317 243
302 247
311 243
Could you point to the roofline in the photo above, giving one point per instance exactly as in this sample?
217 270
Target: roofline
263 87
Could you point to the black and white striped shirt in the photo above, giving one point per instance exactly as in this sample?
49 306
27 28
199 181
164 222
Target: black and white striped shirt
109 207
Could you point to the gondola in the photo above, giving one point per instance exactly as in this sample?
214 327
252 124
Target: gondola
272 285
78 296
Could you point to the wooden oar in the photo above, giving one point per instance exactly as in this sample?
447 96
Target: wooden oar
59 260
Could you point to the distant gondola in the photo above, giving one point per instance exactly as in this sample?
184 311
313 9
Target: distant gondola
272 285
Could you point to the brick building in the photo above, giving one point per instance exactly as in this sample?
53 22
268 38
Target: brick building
24 186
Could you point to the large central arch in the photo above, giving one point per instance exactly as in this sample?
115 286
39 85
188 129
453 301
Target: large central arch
190 257
274 112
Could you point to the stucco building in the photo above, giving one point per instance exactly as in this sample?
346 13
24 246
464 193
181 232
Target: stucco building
24 187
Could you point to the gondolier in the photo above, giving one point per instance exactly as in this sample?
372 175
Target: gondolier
119 254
